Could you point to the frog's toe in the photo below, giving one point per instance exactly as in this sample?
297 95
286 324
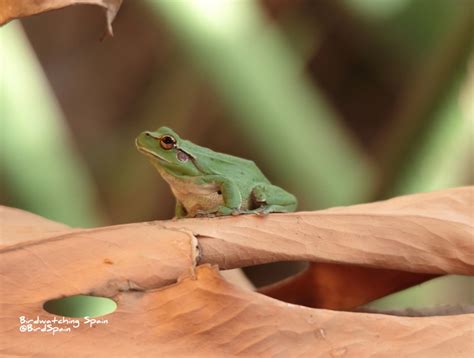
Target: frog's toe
203 214
263 210
224 211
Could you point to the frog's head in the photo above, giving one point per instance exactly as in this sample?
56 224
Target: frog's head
165 149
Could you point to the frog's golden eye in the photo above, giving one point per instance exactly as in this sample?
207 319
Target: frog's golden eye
167 142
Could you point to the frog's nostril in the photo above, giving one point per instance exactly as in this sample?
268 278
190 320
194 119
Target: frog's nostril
148 134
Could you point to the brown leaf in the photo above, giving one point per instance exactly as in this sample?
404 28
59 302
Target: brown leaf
425 233
12 9
19 226
202 314
109 260
341 287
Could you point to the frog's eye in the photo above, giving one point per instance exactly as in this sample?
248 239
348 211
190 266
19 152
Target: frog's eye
167 142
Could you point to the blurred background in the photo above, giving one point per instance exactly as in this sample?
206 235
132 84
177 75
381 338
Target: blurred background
339 102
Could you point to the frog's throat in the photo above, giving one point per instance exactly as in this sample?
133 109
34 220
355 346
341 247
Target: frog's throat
150 153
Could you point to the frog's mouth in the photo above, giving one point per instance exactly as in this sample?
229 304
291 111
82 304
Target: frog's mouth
150 153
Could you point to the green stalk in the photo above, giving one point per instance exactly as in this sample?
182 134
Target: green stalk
441 156
40 166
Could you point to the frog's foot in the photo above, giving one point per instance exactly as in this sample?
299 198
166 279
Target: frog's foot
261 211
267 209
180 212
259 198
224 211
267 198
221 211
264 211
204 214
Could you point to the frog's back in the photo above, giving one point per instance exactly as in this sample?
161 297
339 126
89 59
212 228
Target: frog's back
239 169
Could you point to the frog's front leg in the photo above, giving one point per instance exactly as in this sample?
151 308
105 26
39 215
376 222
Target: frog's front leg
267 198
180 211
231 197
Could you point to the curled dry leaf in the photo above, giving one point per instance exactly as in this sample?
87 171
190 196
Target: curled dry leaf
203 315
341 287
17 226
138 266
12 9
425 233
109 260
409 239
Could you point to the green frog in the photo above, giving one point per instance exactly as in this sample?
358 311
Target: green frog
206 183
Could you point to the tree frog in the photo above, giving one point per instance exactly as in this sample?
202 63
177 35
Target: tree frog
207 183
